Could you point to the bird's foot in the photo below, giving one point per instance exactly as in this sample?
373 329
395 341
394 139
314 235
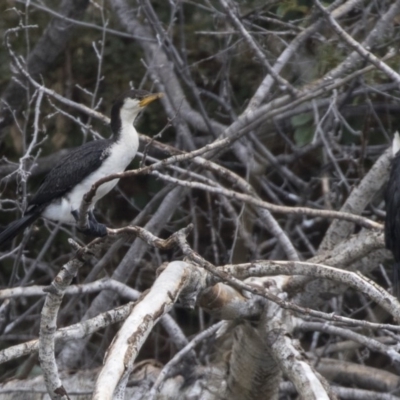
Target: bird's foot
94 228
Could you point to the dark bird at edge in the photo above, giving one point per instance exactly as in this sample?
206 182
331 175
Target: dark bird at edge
392 220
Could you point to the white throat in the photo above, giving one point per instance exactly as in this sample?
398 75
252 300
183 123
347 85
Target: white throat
128 133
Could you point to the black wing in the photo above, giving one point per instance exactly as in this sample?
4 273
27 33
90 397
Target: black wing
70 171
392 199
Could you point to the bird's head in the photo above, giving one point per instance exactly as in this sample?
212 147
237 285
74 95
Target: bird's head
128 105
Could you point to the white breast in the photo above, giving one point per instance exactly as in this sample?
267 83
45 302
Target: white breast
122 153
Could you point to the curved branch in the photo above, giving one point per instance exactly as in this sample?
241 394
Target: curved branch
175 278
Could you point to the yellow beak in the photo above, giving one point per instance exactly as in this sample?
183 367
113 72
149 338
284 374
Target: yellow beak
147 100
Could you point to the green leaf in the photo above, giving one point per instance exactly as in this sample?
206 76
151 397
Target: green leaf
303 135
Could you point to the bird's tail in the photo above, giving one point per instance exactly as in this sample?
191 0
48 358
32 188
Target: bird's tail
15 227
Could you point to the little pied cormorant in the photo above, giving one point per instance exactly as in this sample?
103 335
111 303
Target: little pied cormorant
60 195
392 221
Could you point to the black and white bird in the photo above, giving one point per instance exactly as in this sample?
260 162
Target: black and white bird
60 195
392 221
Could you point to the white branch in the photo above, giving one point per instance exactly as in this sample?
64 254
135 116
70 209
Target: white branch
352 279
48 326
122 353
289 356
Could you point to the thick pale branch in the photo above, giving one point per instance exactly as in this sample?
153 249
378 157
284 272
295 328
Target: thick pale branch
289 356
225 302
48 325
259 289
175 278
358 199
352 279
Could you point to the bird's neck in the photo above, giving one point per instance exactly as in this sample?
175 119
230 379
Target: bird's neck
123 129
127 137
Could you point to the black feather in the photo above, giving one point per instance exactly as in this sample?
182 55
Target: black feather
70 171
392 221
18 226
